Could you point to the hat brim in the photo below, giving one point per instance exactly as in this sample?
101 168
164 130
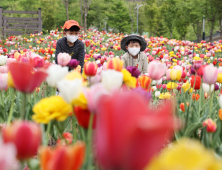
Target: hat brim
68 27
133 37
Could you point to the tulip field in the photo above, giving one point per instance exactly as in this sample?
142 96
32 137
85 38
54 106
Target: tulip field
109 117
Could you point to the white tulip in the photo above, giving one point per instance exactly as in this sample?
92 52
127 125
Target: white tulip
3 59
53 55
220 101
159 82
207 87
154 88
55 74
153 82
112 79
157 94
70 89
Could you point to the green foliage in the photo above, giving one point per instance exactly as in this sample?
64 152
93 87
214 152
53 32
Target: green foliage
119 17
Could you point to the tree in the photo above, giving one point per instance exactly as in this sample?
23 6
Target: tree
86 8
66 4
119 17
132 11
211 14
169 12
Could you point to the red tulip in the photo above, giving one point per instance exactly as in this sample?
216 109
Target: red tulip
24 77
83 116
25 135
128 134
67 139
197 83
90 68
38 62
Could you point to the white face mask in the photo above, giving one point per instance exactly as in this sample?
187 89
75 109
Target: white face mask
134 51
72 38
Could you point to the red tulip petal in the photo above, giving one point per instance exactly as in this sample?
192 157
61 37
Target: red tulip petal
21 74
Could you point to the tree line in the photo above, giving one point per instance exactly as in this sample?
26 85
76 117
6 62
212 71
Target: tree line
179 19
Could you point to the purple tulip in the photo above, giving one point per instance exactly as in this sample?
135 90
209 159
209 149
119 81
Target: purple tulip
189 53
73 63
192 70
111 47
216 87
172 49
99 65
134 71
98 57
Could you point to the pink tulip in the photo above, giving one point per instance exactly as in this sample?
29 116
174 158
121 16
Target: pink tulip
3 69
208 54
164 78
156 70
168 74
63 59
178 68
187 67
7 156
210 74
3 81
153 52
97 78
93 94
104 66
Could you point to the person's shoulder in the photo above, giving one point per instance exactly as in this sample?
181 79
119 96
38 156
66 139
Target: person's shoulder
143 55
126 55
61 40
79 42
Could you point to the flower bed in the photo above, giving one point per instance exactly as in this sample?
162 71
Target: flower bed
110 117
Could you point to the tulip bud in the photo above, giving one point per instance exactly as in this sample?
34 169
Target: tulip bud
115 63
25 135
144 81
90 68
211 126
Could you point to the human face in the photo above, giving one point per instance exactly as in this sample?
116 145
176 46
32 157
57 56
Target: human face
133 45
73 33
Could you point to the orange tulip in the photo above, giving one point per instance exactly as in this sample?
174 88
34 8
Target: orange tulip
145 81
182 107
63 157
195 97
115 63
220 114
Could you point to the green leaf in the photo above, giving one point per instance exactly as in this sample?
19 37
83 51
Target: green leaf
33 164
192 128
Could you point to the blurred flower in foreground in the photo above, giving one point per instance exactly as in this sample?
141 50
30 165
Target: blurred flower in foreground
25 78
62 157
128 134
50 108
7 155
25 135
187 154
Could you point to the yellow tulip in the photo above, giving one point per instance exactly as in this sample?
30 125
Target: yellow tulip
51 108
219 78
187 154
129 80
171 85
81 101
166 95
175 74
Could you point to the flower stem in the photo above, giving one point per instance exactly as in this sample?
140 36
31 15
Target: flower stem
23 106
48 132
89 139
11 107
211 101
